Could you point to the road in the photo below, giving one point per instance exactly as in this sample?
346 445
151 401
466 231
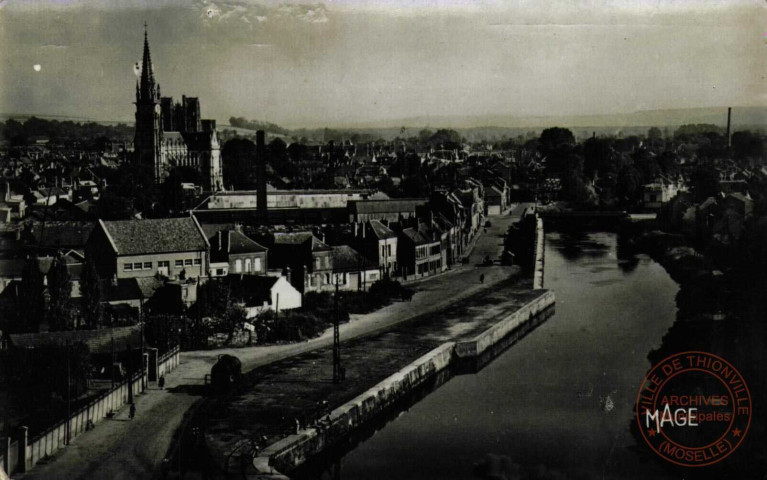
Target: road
128 449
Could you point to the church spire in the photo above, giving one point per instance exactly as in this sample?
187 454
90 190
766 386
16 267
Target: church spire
147 74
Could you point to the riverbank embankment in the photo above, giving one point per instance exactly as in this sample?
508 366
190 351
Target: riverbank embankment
295 411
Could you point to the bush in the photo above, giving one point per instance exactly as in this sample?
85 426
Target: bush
293 327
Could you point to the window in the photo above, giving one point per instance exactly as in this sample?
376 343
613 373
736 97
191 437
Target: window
137 266
319 263
197 261
163 263
188 262
128 267
238 266
345 279
388 247
179 263
247 265
327 278
327 261
383 250
256 264
219 271
147 265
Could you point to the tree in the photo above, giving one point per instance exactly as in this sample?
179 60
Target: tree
92 308
705 182
213 298
239 161
60 290
31 300
112 206
446 138
554 139
629 187
654 137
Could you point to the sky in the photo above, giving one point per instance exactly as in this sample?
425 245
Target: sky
347 62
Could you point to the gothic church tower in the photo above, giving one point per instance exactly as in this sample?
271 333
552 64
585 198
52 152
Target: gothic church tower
149 134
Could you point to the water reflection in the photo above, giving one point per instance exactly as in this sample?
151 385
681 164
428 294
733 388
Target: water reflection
557 405
741 339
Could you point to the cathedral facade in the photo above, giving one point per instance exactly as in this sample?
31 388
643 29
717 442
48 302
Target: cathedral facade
170 135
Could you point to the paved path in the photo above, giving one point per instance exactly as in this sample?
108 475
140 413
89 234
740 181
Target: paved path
123 449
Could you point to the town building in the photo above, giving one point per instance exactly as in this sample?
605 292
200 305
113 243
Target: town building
258 293
352 271
390 210
175 248
231 251
378 243
306 259
655 194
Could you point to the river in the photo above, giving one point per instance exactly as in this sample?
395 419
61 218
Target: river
556 405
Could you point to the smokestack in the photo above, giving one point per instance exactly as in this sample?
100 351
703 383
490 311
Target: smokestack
261 174
729 117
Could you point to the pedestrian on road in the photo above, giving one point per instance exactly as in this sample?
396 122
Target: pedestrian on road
482 278
162 382
132 412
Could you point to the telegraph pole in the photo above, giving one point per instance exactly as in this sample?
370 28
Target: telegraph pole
336 342
69 397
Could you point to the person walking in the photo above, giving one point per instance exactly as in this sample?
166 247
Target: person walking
482 278
161 383
132 412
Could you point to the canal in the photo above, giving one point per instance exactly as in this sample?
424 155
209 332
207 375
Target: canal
556 405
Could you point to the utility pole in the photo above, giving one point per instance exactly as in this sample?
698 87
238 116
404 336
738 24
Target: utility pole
336 342
141 322
112 366
69 397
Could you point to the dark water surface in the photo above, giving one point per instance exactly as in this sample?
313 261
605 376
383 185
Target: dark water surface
556 405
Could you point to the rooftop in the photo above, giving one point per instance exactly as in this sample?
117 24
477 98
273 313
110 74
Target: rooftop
162 235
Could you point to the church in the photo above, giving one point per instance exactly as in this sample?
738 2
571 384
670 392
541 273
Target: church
170 135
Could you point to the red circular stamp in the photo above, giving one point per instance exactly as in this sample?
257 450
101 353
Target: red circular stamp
693 409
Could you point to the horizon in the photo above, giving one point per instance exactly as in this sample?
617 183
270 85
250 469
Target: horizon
348 64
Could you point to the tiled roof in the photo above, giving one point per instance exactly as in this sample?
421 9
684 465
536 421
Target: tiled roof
98 341
126 289
12 267
380 230
253 290
232 241
300 238
162 235
60 234
346 259
414 235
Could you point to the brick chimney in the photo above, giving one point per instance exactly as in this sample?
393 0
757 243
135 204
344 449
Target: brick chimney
261 174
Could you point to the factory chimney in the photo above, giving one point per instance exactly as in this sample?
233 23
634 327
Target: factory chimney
729 117
261 175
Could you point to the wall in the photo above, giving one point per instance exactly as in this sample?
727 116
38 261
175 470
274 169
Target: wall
192 271
539 254
54 438
292 199
296 449
477 345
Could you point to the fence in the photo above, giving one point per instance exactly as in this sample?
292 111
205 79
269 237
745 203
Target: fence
167 362
21 455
